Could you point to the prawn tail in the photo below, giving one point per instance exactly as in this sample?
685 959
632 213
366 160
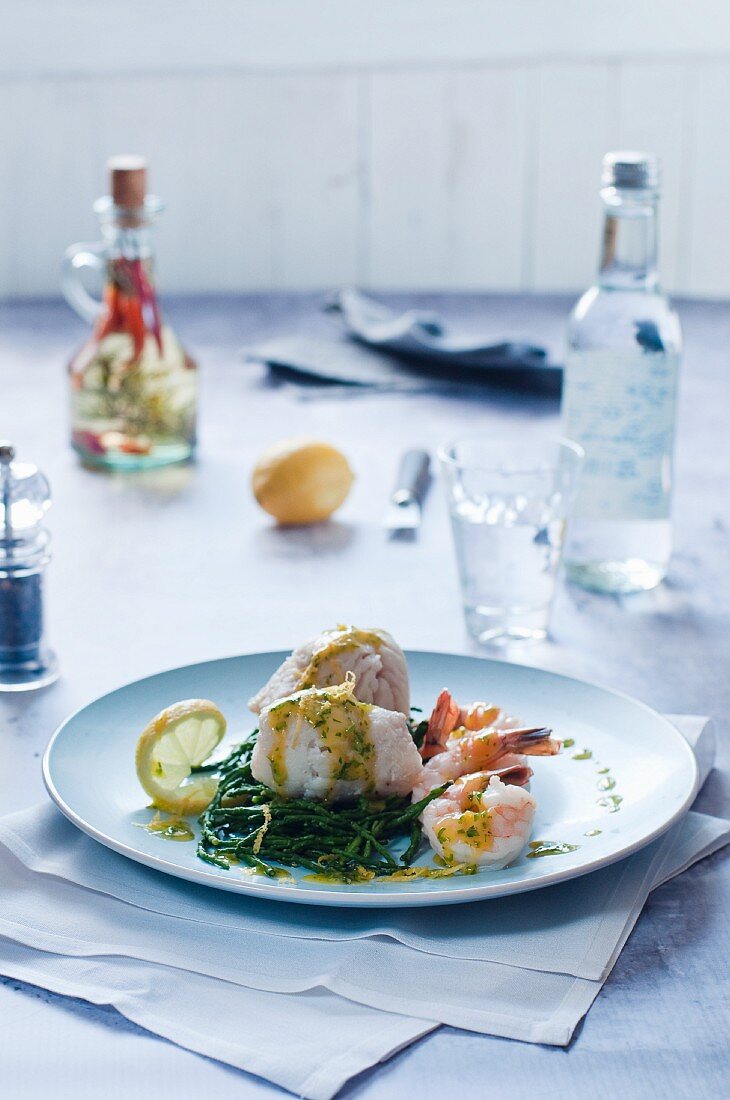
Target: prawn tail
443 720
533 742
516 775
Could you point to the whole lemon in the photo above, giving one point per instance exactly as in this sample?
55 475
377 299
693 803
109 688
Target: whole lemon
301 481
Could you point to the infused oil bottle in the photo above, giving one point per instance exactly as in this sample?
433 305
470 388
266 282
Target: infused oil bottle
133 386
620 393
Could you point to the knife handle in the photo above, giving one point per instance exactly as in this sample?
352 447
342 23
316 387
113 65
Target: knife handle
413 477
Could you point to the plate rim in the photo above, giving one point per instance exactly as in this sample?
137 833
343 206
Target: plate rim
359 898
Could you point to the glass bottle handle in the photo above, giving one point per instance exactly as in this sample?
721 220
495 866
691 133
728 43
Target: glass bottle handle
77 257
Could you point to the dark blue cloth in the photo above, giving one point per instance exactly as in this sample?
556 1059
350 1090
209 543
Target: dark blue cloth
385 349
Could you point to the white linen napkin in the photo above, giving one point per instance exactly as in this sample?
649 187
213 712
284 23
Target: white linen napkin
525 968
311 1043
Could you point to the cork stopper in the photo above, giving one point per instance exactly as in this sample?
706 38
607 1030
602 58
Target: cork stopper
128 180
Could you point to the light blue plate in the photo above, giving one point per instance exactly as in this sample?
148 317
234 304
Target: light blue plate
89 772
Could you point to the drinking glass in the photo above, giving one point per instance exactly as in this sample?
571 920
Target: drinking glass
509 502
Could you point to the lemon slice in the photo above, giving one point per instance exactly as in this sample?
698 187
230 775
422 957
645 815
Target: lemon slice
180 738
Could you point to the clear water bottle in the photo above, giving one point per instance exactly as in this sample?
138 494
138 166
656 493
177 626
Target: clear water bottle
620 393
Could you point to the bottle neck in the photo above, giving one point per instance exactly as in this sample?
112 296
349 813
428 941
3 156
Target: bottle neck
130 298
127 232
128 245
629 252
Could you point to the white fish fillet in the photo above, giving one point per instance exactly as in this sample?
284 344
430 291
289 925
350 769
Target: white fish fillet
376 660
324 743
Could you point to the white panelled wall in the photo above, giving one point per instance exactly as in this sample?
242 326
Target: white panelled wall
460 169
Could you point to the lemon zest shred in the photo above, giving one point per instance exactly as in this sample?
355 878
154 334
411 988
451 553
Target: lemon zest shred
261 832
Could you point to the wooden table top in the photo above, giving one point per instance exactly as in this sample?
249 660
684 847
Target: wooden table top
178 565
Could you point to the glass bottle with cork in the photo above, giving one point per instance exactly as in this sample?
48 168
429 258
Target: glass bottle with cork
133 386
620 391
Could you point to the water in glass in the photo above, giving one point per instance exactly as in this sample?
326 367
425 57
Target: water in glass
508 520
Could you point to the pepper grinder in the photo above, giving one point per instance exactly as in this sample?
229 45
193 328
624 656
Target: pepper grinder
25 497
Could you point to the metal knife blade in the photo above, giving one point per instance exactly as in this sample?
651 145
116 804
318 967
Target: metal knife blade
408 495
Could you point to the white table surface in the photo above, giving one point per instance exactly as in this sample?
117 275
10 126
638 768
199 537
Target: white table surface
180 565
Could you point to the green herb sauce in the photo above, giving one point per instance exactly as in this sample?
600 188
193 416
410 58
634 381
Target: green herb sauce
273 872
432 872
610 802
540 848
472 827
167 828
337 878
